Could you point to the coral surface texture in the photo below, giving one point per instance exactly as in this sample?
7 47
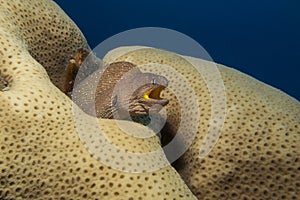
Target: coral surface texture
241 137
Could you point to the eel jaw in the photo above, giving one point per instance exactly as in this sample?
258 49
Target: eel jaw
149 101
152 96
147 98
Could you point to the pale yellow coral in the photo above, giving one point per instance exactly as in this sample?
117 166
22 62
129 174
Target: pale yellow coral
258 153
42 156
48 34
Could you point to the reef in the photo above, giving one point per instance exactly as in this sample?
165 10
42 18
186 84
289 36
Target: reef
45 152
42 156
257 153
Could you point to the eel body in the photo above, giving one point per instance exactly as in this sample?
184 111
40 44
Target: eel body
119 90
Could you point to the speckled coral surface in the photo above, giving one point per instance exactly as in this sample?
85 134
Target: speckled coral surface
49 35
42 156
258 153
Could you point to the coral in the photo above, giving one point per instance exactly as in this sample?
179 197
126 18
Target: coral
50 149
48 34
42 156
257 155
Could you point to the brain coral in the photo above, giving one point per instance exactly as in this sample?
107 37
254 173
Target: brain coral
42 156
258 153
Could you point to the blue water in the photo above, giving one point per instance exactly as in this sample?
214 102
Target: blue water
259 38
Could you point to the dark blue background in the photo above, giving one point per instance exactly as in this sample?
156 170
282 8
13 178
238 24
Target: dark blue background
260 38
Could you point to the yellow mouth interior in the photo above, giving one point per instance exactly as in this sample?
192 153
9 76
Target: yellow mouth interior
153 94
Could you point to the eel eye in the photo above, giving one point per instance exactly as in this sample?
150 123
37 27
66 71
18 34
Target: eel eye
153 81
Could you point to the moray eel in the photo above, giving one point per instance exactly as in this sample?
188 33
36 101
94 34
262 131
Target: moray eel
129 92
121 89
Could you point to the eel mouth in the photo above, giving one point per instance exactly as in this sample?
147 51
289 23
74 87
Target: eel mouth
153 96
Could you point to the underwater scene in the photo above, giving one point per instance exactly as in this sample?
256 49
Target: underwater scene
132 100
258 38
